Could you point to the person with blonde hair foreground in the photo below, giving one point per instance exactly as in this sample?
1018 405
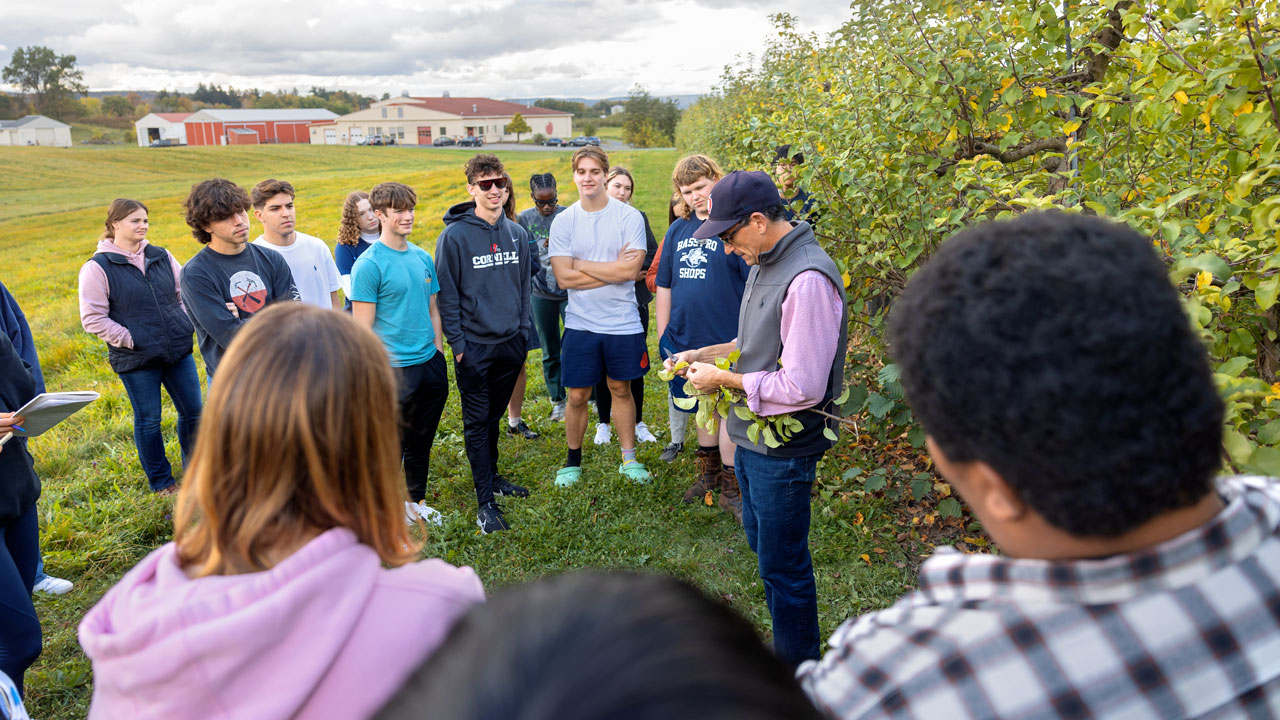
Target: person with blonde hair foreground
272 601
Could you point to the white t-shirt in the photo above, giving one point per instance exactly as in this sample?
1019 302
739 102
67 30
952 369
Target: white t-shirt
314 272
599 237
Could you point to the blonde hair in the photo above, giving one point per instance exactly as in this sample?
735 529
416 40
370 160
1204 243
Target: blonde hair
689 170
349 230
119 209
300 435
593 152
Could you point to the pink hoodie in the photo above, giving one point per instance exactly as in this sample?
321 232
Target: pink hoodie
327 633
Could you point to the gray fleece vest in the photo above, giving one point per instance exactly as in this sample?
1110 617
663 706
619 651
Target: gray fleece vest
760 336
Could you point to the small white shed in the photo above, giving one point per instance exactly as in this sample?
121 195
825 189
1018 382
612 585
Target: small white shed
154 128
35 130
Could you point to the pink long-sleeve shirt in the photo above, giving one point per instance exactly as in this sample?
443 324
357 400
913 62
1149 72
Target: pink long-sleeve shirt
95 294
810 332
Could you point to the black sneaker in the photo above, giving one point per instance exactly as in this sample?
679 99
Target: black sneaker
521 428
490 519
503 486
670 452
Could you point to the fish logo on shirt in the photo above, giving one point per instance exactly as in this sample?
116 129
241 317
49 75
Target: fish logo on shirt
694 257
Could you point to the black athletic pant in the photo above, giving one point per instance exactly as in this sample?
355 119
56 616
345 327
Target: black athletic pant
486 376
424 388
604 398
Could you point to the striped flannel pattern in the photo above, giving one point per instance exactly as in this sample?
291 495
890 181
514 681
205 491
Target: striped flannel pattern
1189 628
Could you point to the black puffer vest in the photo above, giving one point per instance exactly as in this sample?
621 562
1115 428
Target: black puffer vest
146 304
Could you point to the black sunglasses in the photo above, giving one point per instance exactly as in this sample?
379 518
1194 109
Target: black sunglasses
552 202
486 185
727 235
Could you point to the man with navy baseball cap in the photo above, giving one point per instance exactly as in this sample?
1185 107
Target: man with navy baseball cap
791 338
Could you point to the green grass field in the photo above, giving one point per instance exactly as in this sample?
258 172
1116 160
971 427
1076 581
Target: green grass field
98 519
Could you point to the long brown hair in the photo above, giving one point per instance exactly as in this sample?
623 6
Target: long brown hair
509 205
300 435
119 209
349 230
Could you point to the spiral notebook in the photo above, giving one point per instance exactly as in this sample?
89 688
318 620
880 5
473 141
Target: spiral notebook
48 409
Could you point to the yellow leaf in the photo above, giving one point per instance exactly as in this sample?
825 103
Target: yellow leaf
1244 109
1070 127
973 104
1039 92
1205 223
1004 84
1204 117
951 136
1181 97
1008 123
1204 278
858 519
708 499
866 558
846 278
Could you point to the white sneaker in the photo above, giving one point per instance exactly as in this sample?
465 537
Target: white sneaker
602 434
643 434
54 586
557 412
429 515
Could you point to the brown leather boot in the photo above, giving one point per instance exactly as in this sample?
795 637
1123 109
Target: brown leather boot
730 495
708 476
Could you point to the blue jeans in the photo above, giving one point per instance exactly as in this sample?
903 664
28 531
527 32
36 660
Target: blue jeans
20 640
143 387
548 315
775 514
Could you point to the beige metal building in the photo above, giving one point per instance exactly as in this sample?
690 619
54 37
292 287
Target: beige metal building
420 120
35 130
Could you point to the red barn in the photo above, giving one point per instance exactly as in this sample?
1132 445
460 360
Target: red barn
223 127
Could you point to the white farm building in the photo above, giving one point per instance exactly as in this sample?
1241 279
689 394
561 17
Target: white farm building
422 120
35 130
155 127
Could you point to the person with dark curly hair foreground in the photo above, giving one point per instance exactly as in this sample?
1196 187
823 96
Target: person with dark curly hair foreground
597 646
1067 400
230 279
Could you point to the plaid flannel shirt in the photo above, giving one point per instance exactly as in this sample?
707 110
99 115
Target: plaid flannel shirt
1188 628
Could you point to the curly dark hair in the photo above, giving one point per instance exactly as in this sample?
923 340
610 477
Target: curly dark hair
483 164
1053 348
211 201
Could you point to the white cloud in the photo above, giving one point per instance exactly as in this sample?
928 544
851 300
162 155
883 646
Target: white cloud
499 48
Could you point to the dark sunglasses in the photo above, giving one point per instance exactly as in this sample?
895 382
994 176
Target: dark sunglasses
727 236
547 203
487 185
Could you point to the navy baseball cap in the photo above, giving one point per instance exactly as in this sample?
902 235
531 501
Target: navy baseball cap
734 198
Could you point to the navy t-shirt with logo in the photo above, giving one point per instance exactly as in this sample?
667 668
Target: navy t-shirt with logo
706 287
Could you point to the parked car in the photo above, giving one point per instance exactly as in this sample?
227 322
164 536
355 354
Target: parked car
472 141
593 140
443 142
375 140
554 142
578 141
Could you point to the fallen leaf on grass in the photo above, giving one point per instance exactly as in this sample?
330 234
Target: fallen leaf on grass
708 500
866 559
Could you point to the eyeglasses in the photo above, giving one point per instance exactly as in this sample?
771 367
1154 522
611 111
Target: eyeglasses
727 236
487 185
546 203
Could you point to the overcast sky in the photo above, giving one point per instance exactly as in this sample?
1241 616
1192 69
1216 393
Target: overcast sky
494 48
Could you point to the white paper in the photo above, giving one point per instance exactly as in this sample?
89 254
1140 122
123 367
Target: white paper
48 409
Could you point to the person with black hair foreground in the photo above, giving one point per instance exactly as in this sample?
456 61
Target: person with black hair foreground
594 646
549 299
1067 399
799 205
483 259
230 279
791 338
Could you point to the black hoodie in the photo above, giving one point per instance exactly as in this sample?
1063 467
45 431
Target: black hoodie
484 272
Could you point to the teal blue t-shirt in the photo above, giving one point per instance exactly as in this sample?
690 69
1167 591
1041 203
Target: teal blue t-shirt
401 284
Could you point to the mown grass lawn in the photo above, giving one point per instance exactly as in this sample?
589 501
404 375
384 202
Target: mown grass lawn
98 519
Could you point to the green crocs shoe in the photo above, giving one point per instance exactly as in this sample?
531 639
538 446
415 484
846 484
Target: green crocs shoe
635 472
567 476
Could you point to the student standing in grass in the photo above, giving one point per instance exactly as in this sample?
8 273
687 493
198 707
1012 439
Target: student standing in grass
359 229
597 250
131 298
484 308
393 291
699 294
515 407
314 272
549 299
621 186
291 588
230 279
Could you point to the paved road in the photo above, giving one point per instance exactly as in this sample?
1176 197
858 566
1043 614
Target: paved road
607 145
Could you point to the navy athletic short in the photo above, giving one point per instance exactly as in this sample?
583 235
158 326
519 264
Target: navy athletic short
587 357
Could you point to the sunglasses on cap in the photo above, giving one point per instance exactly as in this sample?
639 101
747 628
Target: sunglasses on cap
487 185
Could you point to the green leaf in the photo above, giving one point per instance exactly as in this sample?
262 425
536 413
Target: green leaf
769 439
685 403
733 356
722 363
852 473
1235 366
1270 433
1239 448
843 396
1264 461
1266 292
949 508
920 488
743 413
829 434
753 434
879 405
875 482
1207 262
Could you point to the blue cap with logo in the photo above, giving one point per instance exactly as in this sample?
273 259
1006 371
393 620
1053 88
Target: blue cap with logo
735 197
